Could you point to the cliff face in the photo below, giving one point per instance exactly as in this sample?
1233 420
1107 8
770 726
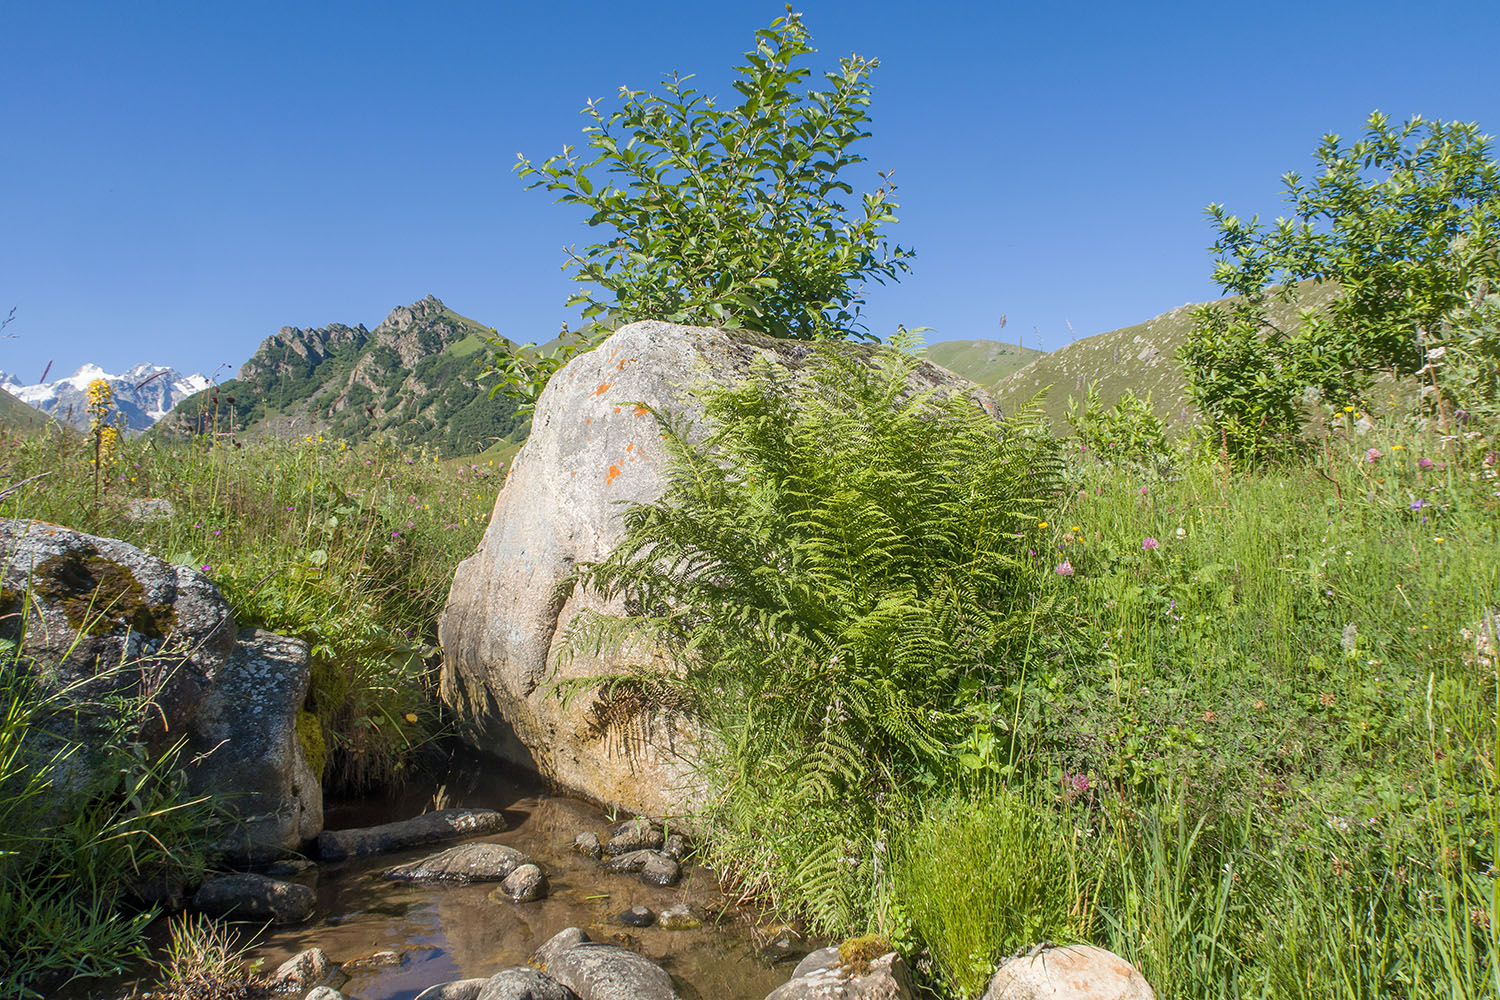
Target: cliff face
412 379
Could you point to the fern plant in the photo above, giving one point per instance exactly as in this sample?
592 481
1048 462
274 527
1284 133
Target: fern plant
829 565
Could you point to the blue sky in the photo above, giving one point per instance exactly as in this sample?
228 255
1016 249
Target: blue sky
178 181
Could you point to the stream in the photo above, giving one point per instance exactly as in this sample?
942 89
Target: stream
447 932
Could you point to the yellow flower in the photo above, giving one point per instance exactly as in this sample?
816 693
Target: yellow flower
1075 528
1398 447
1348 409
1439 540
411 716
1042 525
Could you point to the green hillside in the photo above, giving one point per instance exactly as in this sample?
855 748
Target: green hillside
17 416
1142 357
984 362
412 380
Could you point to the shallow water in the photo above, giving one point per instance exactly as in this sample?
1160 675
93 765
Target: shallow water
446 932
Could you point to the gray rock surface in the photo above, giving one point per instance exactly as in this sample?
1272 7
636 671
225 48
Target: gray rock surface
306 970
590 451
429 828
587 844
639 834
655 867
637 916
458 989
465 863
608 972
165 629
523 984
526 884
820 976
324 993
244 896
679 918
1069 972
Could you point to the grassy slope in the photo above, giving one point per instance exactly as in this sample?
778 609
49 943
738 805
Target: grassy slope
984 362
17 416
1140 357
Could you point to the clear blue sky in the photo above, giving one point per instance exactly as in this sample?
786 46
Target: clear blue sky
179 180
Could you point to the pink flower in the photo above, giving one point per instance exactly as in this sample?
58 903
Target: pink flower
1424 463
1373 455
208 569
1064 568
1150 543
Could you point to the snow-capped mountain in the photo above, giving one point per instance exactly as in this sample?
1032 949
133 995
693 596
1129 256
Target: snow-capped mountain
143 395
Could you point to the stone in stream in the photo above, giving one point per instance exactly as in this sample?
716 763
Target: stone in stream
378 960
638 916
522 984
458 989
291 866
465 863
639 834
429 828
587 844
526 884
1070 972
655 867
601 971
679 918
822 976
594 446
306 970
676 845
325 993
245 896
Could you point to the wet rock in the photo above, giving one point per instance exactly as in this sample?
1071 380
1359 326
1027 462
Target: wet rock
292 866
465 863
526 884
379 960
244 896
638 834
638 916
306 970
676 845
324 993
587 844
429 828
1071 972
602 971
655 867
459 989
781 944
821 976
679 918
523 984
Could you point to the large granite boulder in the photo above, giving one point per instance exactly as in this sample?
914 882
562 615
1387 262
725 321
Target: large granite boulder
594 448
98 620
1069 972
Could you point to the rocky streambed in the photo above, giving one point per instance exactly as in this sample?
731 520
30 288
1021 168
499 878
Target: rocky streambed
399 922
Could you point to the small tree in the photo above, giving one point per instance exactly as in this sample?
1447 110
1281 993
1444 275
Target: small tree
732 216
1403 221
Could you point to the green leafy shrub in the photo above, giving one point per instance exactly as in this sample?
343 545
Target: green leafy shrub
1404 221
832 566
1129 431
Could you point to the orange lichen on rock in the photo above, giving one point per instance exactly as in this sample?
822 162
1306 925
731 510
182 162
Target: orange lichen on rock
630 446
603 388
614 470
641 411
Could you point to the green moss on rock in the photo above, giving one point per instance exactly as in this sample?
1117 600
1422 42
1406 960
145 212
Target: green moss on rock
94 591
314 747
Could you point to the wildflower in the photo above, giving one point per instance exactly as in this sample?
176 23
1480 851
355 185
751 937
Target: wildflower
1349 638
1417 504
411 716
1143 491
1424 462
1042 525
1150 543
1260 705
1398 447
1327 700
1075 528
1065 568
1348 409
1372 456
1181 532
1440 539
208 569
218 531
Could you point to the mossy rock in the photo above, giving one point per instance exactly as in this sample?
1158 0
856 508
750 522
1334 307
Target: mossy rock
314 746
93 590
856 954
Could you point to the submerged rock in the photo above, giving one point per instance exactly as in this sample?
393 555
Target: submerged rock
638 834
587 844
655 867
386 959
244 896
523 984
526 884
592 449
679 918
465 863
638 916
1069 972
306 970
429 828
601 971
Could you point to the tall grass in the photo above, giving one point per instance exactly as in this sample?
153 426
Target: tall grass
352 549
